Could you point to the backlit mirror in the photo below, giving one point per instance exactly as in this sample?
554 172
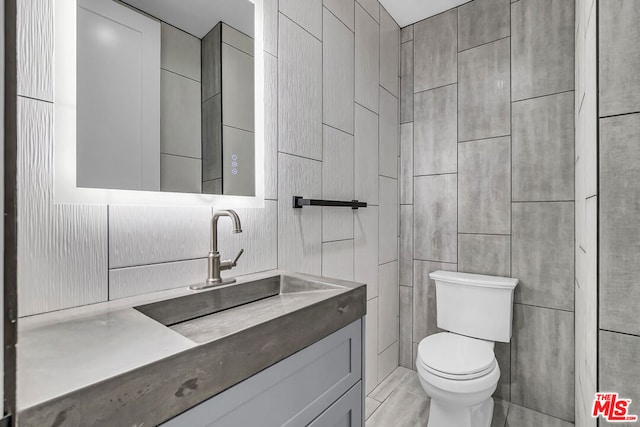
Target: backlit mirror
159 96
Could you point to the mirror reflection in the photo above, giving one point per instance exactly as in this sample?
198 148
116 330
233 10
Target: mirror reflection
165 96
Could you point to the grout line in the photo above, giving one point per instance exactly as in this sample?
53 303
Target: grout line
483 139
619 115
621 333
543 307
432 88
339 20
299 156
298 25
541 201
340 130
542 96
34 99
156 263
484 44
482 234
181 75
435 174
366 108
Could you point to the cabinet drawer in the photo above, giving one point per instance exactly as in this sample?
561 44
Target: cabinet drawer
346 412
293 392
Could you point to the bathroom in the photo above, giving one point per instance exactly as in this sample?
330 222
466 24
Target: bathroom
485 137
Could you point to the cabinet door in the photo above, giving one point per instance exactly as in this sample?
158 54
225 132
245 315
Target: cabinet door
346 412
291 393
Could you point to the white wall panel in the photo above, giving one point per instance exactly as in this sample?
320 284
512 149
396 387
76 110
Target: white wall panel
35 48
62 249
140 235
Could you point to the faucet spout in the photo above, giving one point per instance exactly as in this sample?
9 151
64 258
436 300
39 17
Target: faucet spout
214 264
237 227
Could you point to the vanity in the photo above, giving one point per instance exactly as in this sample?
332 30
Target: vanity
273 349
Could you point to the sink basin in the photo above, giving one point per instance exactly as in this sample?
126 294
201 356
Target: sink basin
203 303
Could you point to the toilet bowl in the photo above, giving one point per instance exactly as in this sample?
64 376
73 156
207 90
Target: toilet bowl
460 374
458 368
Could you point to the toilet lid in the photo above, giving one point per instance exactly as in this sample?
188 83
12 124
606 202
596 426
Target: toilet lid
455 356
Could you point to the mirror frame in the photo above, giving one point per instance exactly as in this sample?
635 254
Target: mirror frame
65 189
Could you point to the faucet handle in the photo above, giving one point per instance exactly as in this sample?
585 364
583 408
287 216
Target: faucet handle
237 257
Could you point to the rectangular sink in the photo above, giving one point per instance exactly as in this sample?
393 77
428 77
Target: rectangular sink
210 301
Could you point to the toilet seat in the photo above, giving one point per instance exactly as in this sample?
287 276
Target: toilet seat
456 357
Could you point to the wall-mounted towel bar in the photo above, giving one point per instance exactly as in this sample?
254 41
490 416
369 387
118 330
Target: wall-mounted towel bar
299 202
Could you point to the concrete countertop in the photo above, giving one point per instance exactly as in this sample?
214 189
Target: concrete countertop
109 364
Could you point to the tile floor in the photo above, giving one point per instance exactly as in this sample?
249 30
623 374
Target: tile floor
399 401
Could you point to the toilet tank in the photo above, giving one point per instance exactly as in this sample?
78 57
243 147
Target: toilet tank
475 305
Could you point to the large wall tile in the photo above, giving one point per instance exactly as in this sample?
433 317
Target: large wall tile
367 59
372 7
406 336
542 360
484 92
212 136
299 230
34 61
519 416
180 116
365 246
270 127
406 82
389 53
388 303
270 11
56 268
389 133
543 145
238 92
619 367
259 239
435 131
305 13
406 163
140 235
337 74
483 21
366 155
371 346
211 57
406 245
424 298
503 357
406 34
619 57
387 361
344 10
435 231
337 184
436 54
484 176
388 224
484 254
299 91
180 52
542 253
337 259
542 47
619 231
130 281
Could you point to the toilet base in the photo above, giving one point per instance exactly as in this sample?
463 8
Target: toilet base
447 416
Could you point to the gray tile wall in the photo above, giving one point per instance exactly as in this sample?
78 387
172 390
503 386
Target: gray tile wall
614 212
487 134
326 125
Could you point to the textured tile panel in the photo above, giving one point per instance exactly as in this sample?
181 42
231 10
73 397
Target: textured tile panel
484 254
34 21
337 184
406 163
337 259
435 133
366 155
435 229
483 21
365 245
337 74
389 133
62 249
299 91
436 53
484 188
388 303
388 225
299 230
542 353
140 235
305 13
542 254
367 76
389 53
424 298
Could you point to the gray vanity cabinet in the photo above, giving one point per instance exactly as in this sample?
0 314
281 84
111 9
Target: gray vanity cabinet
320 386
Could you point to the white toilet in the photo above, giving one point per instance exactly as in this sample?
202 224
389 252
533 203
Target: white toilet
458 369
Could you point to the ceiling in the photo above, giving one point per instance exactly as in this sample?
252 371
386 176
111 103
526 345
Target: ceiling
198 17
407 12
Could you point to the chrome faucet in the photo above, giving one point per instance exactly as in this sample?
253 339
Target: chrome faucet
215 266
